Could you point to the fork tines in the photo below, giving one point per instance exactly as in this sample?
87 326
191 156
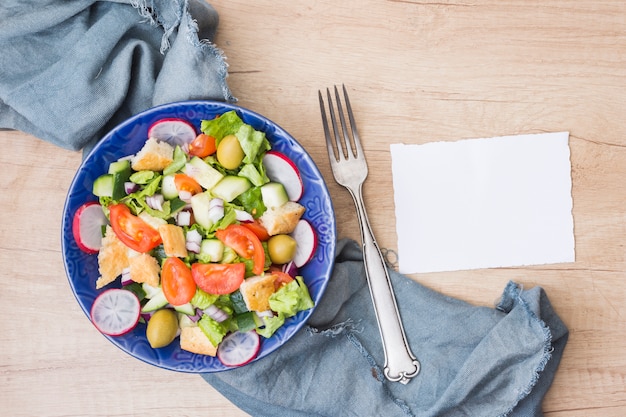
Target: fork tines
350 146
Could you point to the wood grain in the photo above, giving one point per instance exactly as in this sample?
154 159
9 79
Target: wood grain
417 72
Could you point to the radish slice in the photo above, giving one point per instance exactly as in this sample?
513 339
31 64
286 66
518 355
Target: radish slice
239 348
279 168
173 131
87 227
306 237
115 312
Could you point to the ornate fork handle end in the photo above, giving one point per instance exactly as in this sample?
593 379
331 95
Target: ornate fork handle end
404 376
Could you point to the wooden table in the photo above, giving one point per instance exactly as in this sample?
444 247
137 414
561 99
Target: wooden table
417 72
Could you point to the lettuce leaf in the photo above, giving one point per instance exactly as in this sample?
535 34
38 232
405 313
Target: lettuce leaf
213 330
180 159
202 299
270 325
291 298
253 142
227 124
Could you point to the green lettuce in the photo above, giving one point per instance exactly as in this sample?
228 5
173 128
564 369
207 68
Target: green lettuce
213 330
227 124
202 299
270 325
179 161
287 301
291 298
253 142
251 172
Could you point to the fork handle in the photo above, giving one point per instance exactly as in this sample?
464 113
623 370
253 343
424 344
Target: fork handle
400 363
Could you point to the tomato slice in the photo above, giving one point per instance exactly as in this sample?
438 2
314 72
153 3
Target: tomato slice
186 183
131 230
203 145
177 282
258 229
282 278
245 243
218 279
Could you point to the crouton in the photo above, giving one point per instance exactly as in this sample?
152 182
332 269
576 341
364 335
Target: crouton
173 240
112 258
256 292
154 156
282 219
145 268
193 339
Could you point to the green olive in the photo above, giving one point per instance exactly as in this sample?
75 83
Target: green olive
162 328
281 248
229 152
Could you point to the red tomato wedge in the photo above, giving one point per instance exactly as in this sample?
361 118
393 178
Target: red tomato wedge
177 282
245 243
218 279
282 278
131 230
184 182
258 229
203 145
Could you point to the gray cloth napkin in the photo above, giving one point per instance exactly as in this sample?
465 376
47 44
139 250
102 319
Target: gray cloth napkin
72 70
476 361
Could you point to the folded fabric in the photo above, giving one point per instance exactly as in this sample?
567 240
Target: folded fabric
475 361
72 70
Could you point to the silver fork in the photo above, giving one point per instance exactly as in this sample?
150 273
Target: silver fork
350 170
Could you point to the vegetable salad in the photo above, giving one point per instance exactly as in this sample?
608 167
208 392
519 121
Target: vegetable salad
186 235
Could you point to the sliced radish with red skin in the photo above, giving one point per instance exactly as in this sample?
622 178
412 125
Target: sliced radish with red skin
279 168
173 131
115 312
239 348
306 239
87 227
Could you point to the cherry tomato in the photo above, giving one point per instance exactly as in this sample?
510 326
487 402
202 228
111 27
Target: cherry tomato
282 278
177 282
258 229
131 230
245 243
186 183
218 279
203 145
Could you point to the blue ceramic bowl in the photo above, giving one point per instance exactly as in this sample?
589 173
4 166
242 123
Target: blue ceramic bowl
127 139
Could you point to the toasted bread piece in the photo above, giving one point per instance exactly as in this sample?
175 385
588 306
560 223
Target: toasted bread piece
154 156
282 219
145 268
112 258
256 292
193 339
173 240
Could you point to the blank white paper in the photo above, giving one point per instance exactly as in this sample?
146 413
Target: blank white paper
483 203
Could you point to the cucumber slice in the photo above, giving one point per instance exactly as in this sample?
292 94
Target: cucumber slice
200 205
230 187
150 290
205 174
157 301
119 167
274 194
212 249
168 187
187 309
121 173
103 185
